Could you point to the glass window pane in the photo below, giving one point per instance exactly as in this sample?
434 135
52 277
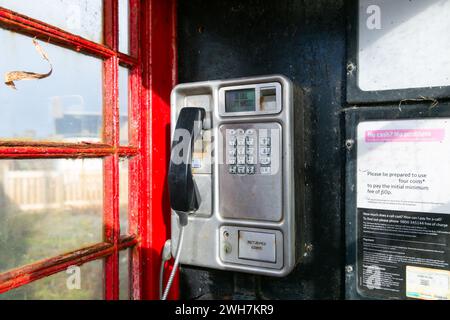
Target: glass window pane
66 106
124 275
403 44
123 195
124 26
76 283
123 104
48 207
81 17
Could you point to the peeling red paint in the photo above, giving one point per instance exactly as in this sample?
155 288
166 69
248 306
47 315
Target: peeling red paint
35 271
45 32
152 64
158 45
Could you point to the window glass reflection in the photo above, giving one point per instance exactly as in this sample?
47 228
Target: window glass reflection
81 17
124 275
66 106
48 207
124 26
123 195
123 104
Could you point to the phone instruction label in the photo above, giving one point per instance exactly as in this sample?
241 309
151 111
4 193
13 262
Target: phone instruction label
403 207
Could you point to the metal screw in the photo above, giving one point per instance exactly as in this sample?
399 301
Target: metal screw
349 269
308 249
350 67
349 144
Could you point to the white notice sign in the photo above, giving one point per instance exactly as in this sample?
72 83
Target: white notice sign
404 165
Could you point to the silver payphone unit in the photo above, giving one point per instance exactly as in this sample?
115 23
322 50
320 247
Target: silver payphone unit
231 176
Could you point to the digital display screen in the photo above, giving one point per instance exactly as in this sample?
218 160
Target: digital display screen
240 100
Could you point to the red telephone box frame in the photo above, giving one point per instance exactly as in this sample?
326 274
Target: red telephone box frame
153 72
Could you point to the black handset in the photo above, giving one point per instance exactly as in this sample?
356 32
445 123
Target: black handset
184 195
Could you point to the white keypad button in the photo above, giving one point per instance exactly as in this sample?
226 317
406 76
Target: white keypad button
264 151
265 160
251 160
241 151
264 141
250 132
250 141
241 141
241 160
250 151
265 170
231 160
240 131
241 169
250 169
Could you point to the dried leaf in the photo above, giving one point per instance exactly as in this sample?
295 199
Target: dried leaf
12 76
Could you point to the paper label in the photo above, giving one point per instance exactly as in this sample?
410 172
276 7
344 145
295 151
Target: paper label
427 284
403 209
403 165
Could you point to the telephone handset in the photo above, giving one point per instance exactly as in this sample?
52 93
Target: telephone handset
181 181
184 194
231 175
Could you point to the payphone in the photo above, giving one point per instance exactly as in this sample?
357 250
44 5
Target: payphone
231 175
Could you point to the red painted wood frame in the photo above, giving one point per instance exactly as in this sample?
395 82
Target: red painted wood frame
152 65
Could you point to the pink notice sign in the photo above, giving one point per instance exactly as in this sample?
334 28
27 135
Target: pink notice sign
405 135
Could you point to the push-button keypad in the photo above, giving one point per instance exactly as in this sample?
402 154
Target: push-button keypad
249 151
